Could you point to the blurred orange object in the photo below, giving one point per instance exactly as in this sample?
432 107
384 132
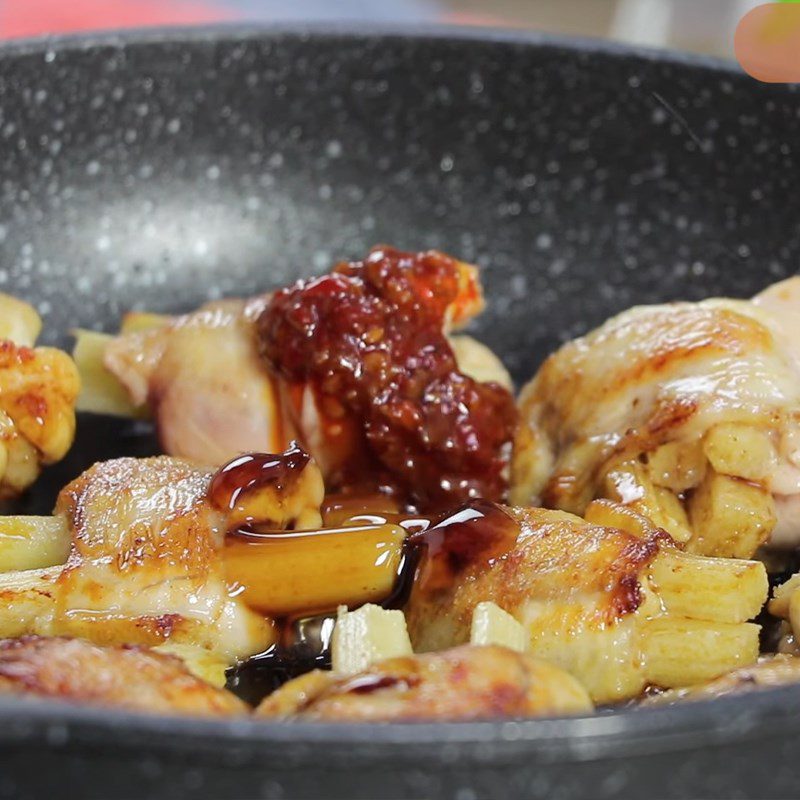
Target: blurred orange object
35 17
767 42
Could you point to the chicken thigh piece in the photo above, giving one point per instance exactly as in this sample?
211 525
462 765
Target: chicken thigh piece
687 412
465 683
146 548
38 390
356 365
201 377
610 598
129 677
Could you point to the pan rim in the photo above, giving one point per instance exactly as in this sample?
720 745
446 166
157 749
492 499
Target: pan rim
582 738
252 31
634 732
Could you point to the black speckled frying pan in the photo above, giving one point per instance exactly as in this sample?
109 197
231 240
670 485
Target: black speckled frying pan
155 170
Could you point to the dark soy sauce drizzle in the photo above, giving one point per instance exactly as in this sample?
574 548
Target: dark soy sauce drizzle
304 646
305 643
470 537
253 471
404 583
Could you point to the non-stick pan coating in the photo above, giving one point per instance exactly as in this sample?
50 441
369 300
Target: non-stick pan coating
157 170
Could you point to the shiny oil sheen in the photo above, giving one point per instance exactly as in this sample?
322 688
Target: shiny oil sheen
308 571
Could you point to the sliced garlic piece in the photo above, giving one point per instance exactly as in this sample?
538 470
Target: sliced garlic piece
492 625
367 635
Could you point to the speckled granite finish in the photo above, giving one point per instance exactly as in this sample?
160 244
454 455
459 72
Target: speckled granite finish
161 172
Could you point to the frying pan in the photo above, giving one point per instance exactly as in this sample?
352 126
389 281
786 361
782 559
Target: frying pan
156 170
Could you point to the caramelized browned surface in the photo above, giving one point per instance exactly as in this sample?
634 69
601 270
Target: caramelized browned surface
460 684
38 389
519 558
127 677
145 513
661 382
145 562
162 549
648 376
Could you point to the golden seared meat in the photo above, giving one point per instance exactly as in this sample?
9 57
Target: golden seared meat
38 390
129 677
687 412
146 543
355 364
465 683
610 599
769 672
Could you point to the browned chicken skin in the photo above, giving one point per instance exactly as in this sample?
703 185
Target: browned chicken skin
459 684
630 412
687 412
620 609
38 390
129 677
145 562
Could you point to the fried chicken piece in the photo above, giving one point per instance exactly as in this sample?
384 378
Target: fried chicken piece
145 562
38 390
465 683
686 412
356 365
200 375
129 677
619 609
769 672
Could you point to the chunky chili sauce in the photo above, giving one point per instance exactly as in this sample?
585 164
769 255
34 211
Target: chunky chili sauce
369 340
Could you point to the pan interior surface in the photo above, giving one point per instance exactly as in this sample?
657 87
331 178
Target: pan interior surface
159 170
